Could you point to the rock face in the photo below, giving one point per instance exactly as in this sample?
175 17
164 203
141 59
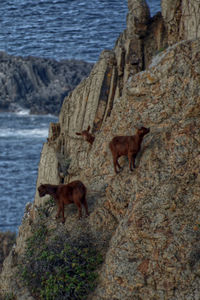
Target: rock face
7 240
154 253
37 84
182 19
149 218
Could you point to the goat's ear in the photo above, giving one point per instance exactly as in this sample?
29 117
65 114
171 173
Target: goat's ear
88 128
78 133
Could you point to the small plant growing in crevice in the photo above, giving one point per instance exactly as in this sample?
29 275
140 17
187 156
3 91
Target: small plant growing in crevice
44 210
161 50
63 164
36 240
59 268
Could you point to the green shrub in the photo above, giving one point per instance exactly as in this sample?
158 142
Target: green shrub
43 210
59 268
8 296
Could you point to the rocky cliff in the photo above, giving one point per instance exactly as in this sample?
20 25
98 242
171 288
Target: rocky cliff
7 240
38 84
145 223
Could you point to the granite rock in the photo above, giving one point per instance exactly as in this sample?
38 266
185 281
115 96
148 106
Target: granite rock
182 19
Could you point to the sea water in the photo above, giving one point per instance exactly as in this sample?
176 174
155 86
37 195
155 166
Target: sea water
63 29
21 139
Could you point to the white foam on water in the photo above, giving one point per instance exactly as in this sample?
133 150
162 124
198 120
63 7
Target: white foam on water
23 112
19 110
37 132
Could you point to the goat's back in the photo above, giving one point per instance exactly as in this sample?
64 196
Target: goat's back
121 144
72 189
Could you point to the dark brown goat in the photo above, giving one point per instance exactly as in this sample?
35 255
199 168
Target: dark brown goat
73 192
86 135
127 145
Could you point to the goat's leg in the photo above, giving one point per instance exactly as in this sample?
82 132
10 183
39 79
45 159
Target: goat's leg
63 213
115 163
86 206
130 156
133 160
78 204
58 212
118 163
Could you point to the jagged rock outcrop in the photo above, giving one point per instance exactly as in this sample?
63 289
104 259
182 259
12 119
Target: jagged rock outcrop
182 19
90 103
148 219
38 84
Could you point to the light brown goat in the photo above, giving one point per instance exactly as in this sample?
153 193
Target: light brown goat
86 135
127 145
73 192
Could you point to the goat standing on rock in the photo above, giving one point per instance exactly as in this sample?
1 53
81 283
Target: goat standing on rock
88 137
127 145
73 192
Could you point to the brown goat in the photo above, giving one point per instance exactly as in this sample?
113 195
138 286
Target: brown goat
127 145
73 192
86 135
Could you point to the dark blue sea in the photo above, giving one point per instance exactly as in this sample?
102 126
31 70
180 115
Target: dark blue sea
21 139
62 29
58 29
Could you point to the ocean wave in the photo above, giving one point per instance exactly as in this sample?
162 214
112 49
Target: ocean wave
19 110
37 132
23 112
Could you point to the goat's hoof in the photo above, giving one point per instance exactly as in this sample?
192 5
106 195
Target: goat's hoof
63 220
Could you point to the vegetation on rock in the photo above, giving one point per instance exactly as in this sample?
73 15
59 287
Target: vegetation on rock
9 296
55 267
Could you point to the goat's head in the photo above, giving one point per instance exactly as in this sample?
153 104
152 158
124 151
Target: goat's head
142 131
42 190
84 133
